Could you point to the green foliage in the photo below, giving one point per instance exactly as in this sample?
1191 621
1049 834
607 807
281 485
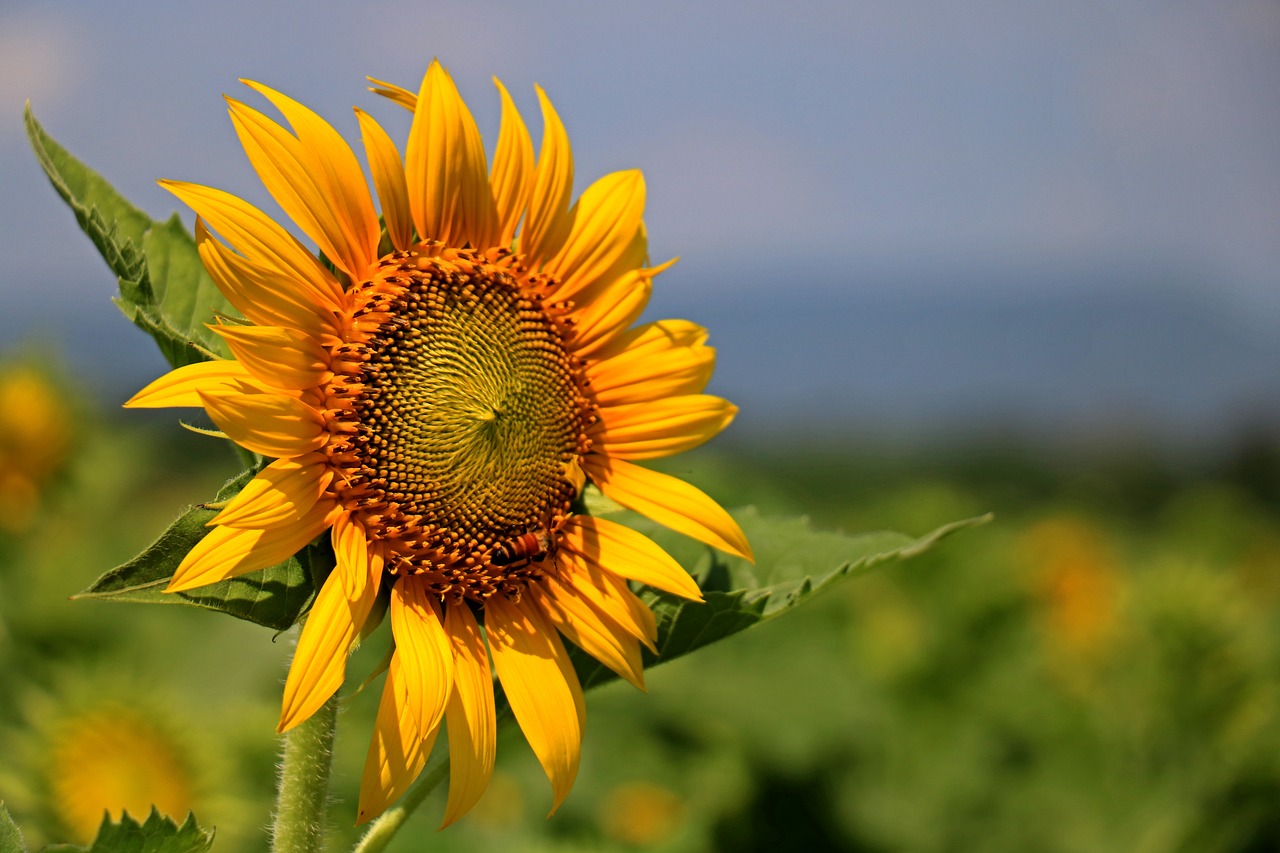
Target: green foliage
164 288
158 834
274 597
793 563
11 840
1091 674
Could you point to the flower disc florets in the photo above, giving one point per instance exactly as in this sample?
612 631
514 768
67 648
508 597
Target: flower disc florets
457 415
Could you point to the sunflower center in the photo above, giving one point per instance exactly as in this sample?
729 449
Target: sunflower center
469 412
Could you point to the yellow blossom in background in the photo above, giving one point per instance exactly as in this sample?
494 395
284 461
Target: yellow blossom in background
35 437
1076 579
104 743
435 392
114 759
642 813
1258 570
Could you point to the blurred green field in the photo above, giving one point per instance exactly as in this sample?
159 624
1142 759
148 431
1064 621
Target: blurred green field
1096 670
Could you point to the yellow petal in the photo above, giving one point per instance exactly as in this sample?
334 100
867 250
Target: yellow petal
606 227
276 356
271 424
426 657
512 174
394 93
602 326
632 257
282 166
549 221
182 386
388 180
315 177
655 337
282 493
640 611
591 631
397 751
600 320
541 687
661 427
669 501
628 554
642 378
267 247
332 625
264 297
607 593
228 552
448 180
616 309
469 716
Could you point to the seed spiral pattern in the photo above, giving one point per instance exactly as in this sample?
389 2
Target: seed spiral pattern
457 414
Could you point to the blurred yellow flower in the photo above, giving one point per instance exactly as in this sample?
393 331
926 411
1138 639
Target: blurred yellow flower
1075 576
1258 570
642 813
101 741
35 437
113 758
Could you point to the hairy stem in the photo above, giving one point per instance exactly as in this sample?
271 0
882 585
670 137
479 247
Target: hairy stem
303 793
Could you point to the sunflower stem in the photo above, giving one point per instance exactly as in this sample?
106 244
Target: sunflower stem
303 795
382 830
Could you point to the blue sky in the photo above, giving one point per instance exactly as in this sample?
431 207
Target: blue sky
788 148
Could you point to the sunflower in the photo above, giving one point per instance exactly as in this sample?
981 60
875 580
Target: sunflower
35 441
97 741
436 387
116 758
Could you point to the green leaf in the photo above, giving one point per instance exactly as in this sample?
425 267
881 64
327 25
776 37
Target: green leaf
595 503
11 840
159 834
274 597
164 288
793 563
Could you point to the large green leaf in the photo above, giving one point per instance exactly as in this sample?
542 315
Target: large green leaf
164 288
158 834
274 597
793 563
